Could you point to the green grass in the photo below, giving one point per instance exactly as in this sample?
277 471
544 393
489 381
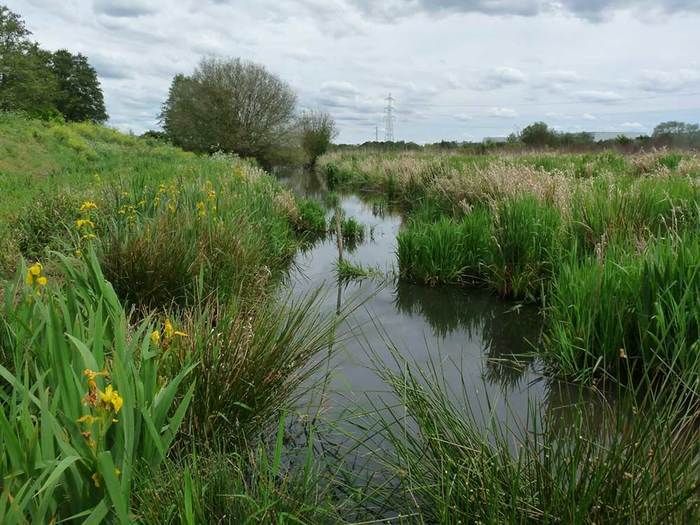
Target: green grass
602 464
348 271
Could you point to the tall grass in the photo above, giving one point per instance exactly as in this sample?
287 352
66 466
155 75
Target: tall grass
447 251
250 362
84 401
637 464
629 311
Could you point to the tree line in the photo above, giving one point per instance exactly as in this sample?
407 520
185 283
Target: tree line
42 83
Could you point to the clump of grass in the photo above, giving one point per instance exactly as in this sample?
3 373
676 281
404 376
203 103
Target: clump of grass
312 217
621 465
628 311
353 231
250 362
348 271
447 251
167 246
526 247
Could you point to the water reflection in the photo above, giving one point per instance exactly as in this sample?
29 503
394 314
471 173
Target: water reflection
485 345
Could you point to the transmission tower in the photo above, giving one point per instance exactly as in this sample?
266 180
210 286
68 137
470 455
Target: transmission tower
389 119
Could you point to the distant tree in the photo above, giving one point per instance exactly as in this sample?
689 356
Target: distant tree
675 128
538 135
26 82
232 106
317 129
79 96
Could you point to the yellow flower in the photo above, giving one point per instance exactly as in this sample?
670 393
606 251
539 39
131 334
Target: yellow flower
168 329
112 397
34 275
155 337
89 237
87 206
35 269
81 223
201 209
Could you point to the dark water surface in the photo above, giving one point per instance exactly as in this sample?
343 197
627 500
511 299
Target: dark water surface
481 344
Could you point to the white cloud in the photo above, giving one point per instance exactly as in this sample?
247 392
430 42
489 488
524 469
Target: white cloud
502 112
499 77
669 81
598 96
633 126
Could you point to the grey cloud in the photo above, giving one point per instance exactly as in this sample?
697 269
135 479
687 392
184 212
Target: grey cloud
124 8
500 77
593 10
669 81
597 96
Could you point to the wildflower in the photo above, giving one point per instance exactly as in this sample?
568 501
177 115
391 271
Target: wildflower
82 223
34 276
170 332
88 237
87 206
155 337
112 397
201 209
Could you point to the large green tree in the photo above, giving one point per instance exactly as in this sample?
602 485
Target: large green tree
41 83
317 130
79 96
26 81
232 106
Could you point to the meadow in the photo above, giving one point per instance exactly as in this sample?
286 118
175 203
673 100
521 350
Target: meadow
151 363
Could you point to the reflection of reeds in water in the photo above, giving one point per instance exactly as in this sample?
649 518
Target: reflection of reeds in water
507 333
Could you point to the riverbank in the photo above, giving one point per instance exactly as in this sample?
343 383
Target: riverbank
177 345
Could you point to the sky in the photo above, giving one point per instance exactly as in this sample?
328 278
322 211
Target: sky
457 69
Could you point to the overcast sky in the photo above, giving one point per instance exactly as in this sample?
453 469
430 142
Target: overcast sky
458 69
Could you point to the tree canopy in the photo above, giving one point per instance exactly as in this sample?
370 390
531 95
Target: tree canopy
45 84
232 106
317 130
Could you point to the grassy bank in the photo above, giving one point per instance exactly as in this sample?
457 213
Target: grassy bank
139 325
606 243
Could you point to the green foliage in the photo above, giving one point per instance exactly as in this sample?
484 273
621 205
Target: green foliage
259 360
317 130
231 106
55 462
79 97
312 217
637 462
352 230
628 311
44 84
447 251
526 247
348 271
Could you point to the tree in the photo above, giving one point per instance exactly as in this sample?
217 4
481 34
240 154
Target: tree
26 82
79 95
675 128
317 130
232 106
45 84
538 135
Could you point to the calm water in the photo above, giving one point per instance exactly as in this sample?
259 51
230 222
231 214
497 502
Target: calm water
481 344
